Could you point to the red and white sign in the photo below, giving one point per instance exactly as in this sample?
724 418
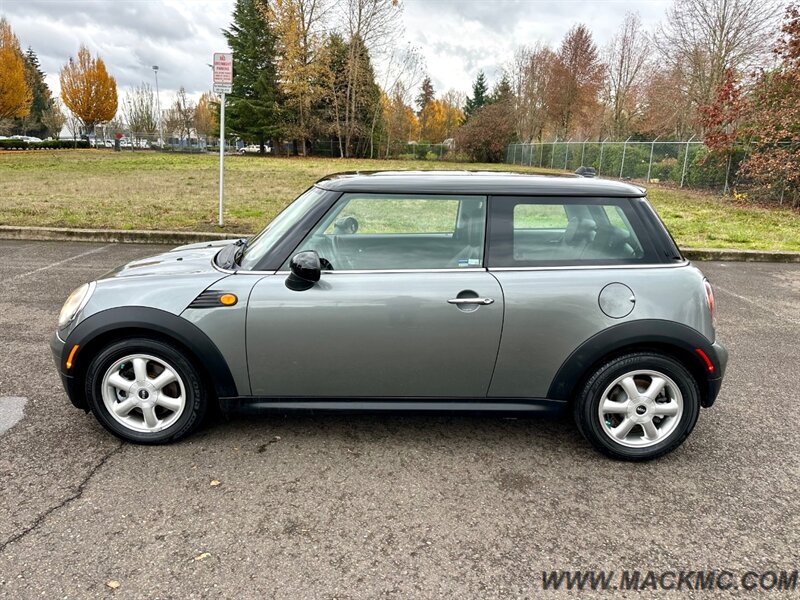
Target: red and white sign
223 68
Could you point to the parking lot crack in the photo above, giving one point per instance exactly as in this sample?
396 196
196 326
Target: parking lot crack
75 495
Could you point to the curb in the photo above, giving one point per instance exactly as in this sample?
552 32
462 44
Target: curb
62 234
730 255
177 238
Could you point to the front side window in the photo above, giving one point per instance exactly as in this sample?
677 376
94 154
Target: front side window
543 232
387 231
262 243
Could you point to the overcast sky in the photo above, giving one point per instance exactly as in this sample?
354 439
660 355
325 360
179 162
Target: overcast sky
457 38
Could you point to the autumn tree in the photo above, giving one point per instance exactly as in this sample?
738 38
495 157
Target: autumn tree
87 89
721 118
350 102
433 121
666 110
171 122
401 121
479 98
577 76
253 109
452 101
530 76
626 57
701 40
205 117
53 118
140 112
299 27
15 92
402 71
773 127
427 113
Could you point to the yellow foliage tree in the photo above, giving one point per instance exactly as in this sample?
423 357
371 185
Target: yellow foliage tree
401 122
433 122
205 118
302 70
15 93
88 90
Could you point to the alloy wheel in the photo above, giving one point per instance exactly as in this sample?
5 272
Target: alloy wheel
143 393
640 408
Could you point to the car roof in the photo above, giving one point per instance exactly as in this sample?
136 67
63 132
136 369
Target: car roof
477 182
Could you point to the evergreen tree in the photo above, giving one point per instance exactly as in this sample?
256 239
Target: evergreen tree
426 94
479 96
502 92
42 99
253 109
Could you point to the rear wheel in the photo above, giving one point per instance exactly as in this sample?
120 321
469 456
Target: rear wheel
638 406
145 391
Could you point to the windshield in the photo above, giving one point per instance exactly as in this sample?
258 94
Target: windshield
260 245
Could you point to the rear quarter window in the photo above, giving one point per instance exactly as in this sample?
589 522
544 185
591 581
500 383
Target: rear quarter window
534 232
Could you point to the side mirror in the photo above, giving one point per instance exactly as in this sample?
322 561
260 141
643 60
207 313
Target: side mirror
306 270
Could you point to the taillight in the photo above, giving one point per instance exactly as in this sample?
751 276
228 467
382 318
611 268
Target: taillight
712 307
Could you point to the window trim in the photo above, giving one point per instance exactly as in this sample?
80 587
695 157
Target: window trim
500 239
389 195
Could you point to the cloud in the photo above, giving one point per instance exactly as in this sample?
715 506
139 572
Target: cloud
130 35
457 38
461 37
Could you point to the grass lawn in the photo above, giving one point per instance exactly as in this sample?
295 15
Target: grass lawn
146 190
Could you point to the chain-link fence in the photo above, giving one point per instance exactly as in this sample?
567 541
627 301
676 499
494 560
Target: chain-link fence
133 141
684 163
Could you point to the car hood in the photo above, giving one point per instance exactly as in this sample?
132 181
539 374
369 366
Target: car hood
183 260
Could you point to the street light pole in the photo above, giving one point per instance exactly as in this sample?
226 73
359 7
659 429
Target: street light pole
158 108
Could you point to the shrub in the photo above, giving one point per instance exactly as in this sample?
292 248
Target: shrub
46 145
486 134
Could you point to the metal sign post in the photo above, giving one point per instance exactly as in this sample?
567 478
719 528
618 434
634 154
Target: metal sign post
223 82
221 156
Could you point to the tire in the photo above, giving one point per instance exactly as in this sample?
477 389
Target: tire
620 414
156 393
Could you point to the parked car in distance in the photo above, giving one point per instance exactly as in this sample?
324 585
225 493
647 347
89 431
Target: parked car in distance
254 149
425 291
26 138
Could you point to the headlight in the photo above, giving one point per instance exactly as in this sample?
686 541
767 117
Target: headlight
76 301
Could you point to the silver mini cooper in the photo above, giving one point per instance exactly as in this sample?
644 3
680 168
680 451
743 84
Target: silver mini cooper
425 291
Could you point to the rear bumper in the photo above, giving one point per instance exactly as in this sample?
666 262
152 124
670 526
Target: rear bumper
718 356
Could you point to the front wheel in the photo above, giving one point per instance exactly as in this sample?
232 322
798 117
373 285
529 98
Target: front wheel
145 391
638 406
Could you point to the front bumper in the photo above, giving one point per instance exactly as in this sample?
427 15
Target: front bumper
67 380
720 360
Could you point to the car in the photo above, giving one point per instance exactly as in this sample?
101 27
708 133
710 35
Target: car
402 290
254 149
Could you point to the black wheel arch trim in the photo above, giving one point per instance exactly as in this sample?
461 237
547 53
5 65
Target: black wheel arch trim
655 333
143 320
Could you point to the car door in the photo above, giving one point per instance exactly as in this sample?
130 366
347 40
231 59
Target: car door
554 257
404 307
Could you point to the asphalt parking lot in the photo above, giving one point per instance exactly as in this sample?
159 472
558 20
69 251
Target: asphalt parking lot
385 506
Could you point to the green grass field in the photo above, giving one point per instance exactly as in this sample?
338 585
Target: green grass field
146 190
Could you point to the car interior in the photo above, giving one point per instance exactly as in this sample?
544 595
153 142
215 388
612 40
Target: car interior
586 232
589 234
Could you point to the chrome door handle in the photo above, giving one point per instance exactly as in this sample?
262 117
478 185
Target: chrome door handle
483 301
